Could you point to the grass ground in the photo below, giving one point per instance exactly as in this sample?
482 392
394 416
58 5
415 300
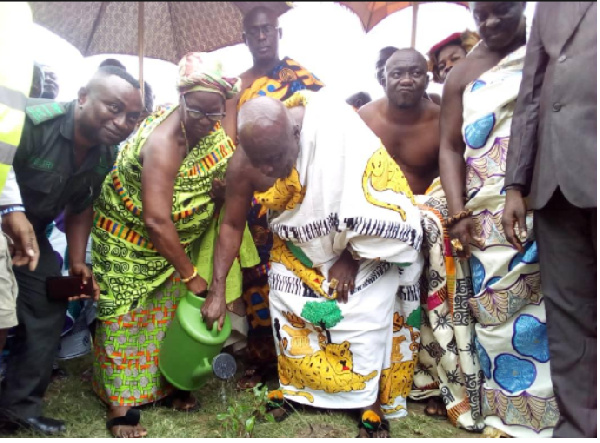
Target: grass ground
72 400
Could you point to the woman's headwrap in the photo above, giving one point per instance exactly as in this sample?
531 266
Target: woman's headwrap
466 39
201 72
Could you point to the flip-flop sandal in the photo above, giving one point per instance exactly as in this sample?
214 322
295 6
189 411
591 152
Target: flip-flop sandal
372 423
131 418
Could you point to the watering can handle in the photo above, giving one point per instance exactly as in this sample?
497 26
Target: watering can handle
202 294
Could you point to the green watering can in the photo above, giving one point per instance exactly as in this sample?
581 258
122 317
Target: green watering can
189 348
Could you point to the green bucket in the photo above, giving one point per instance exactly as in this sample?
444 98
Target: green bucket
187 352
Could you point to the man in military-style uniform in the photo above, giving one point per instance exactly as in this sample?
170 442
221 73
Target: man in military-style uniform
66 151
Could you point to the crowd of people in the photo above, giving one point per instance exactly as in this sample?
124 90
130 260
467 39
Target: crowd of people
439 249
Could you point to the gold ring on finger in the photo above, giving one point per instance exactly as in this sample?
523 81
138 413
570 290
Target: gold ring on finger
456 244
333 283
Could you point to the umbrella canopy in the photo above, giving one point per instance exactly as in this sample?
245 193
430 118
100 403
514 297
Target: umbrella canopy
371 13
169 29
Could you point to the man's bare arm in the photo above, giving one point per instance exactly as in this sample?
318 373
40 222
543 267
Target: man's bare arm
238 196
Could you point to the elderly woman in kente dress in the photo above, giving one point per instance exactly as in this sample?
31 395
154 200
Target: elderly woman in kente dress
154 205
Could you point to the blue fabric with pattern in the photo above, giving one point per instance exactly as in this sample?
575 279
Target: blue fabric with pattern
477 133
513 373
530 338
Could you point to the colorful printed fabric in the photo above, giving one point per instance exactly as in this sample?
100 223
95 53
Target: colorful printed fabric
127 267
202 72
448 366
126 350
281 83
326 354
508 304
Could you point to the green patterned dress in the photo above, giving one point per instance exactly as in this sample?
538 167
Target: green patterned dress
140 290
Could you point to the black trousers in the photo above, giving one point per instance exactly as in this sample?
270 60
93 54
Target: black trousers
37 338
566 237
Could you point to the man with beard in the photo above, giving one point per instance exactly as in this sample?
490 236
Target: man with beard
65 152
408 126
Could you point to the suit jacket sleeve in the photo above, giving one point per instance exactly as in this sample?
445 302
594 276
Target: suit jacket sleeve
523 144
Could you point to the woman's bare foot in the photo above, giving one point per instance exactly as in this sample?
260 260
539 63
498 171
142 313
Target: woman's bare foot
435 407
123 422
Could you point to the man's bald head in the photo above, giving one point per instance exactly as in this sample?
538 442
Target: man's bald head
268 136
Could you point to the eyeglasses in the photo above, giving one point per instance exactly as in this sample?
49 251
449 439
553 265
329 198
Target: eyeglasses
196 114
267 30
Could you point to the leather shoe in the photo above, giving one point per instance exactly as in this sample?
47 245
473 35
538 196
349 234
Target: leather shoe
43 425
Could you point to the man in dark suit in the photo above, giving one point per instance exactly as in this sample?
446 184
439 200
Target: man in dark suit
552 161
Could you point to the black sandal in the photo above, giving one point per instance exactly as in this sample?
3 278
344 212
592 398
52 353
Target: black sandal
131 418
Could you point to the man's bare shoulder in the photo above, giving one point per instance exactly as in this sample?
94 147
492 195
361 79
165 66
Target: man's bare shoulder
240 170
371 109
432 110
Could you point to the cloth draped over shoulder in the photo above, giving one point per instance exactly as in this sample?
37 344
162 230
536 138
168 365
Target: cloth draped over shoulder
362 202
282 82
345 192
127 266
517 393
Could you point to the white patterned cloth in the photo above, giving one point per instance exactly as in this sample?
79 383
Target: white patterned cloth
345 192
448 366
517 395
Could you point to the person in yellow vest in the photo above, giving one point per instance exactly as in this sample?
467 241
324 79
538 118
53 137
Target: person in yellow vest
16 70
